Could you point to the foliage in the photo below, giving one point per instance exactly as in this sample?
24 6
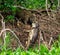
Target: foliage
7 6
43 51
55 50
33 4
36 4
9 17
9 11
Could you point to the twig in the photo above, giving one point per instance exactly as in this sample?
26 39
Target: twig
18 6
20 44
50 10
50 41
58 3
1 16
47 8
41 36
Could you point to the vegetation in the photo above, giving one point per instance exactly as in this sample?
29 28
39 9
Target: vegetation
7 6
55 50
8 11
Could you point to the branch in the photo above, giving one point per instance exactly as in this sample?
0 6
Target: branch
20 44
3 27
1 17
26 8
50 41
58 3
47 8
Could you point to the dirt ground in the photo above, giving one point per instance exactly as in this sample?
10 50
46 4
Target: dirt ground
50 26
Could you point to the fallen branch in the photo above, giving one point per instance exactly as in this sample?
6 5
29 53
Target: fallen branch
20 44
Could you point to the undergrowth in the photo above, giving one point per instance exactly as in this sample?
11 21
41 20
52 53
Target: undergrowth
55 50
7 6
43 51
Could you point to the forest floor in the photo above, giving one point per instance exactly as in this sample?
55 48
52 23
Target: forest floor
50 26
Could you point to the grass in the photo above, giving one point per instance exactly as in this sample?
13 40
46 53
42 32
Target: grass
43 51
55 50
